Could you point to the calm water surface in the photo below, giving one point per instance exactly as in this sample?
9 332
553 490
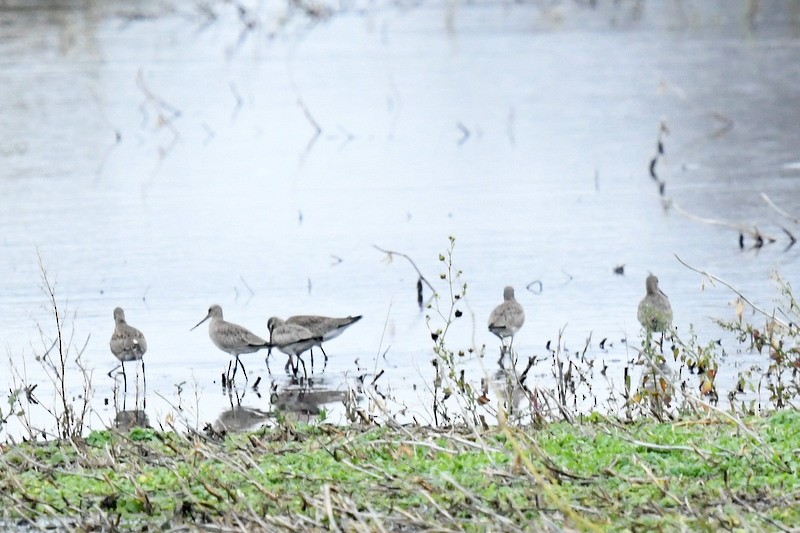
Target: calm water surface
162 161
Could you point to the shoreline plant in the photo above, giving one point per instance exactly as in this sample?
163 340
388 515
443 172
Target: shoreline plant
591 451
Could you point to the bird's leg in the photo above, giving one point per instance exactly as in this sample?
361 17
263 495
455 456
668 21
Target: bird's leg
228 376
289 364
512 355
144 377
113 369
323 353
503 351
124 378
305 374
312 360
239 362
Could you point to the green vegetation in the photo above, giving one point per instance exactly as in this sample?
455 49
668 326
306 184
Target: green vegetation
704 473
508 457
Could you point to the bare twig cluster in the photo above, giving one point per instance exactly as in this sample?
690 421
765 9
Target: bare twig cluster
758 237
390 254
63 365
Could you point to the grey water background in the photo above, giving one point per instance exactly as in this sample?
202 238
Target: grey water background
163 157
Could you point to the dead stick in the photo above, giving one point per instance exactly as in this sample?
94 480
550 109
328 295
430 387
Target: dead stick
390 253
780 211
714 222
714 278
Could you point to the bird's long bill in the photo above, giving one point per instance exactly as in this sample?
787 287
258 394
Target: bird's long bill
206 318
662 294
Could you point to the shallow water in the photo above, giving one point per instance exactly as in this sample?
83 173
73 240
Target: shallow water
162 161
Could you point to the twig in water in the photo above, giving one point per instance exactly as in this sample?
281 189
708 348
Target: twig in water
792 239
780 211
465 133
383 334
536 283
166 113
210 134
727 124
391 253
238 98
247 286
307 113
662 129
758 237
309 117
348 137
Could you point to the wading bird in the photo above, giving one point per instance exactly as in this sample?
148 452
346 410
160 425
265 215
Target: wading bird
506 319
127 344
323 326
655 312
232 339
291 339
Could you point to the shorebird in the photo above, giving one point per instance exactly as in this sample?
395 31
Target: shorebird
506 319
323 326
291 339
127 344
655 312
232 339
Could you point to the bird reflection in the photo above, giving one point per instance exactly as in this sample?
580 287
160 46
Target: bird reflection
657 387
510 385
305 403
132 418
125 418
239 417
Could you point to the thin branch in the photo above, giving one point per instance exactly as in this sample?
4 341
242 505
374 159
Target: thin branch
714 278
465 133
390 253
759 237
713 221
777 209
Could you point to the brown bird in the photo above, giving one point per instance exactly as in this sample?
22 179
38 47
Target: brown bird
323 326
232 339
506 319
127 344
291 339
655 312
